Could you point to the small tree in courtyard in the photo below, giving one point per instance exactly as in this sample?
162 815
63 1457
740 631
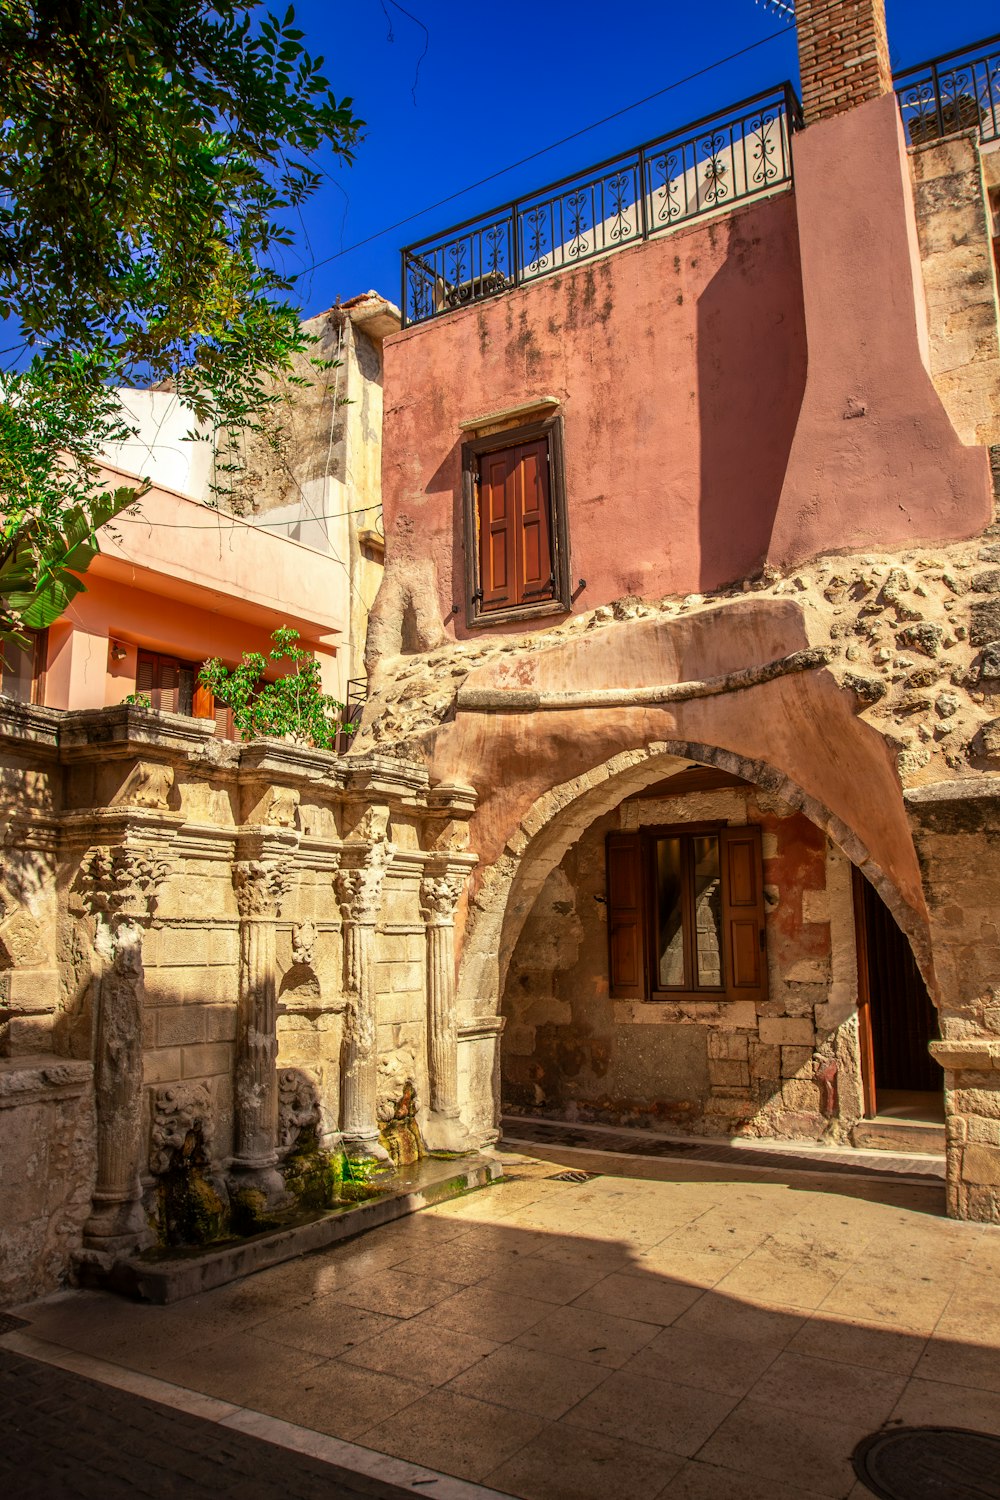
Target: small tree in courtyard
293 706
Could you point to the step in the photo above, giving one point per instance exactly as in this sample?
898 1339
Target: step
168 1276
887 1133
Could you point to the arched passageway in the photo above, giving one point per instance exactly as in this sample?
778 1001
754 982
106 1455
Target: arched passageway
694 1037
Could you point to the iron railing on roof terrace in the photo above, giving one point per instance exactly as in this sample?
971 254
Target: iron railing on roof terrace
959 91
741 153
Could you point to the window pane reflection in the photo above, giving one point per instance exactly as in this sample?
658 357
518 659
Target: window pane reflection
707 910
670 926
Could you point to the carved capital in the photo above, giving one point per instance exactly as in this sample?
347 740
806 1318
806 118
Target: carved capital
261 885
359 887
438 898
122 882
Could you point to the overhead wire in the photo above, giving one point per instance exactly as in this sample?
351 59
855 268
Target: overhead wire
542 151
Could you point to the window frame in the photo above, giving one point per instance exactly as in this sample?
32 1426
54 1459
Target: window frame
549 430
37 649
646 988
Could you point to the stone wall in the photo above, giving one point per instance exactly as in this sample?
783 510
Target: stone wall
226 970
709 1066
957 828
46 1170
959 276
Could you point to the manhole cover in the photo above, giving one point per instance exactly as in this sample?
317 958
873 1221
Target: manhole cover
930 1463
572 1176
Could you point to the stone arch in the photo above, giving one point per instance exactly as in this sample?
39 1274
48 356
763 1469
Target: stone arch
509 887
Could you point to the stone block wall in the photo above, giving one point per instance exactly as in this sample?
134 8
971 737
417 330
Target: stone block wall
785 1066
957 834
959 277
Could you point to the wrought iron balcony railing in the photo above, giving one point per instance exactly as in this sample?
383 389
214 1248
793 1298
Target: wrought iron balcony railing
724 159
959 91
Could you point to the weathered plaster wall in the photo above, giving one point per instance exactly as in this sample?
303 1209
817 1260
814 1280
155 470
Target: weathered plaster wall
875 461
679 364
707 1066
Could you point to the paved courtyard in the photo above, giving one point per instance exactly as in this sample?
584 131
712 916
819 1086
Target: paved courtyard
663 1329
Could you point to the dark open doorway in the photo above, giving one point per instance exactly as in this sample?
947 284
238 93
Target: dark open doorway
896 1014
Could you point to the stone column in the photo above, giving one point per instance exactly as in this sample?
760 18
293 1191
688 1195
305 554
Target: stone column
439 895
359 891
260 885
120 890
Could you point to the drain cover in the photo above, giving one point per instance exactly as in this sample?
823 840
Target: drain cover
930 1463
573 1176
8 1323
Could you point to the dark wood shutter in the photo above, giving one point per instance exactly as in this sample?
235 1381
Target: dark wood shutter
497 517
626 929
533 563
167 697
516 563
185 689
145 673
743 913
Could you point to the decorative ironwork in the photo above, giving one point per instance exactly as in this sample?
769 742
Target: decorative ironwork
737 154
959 91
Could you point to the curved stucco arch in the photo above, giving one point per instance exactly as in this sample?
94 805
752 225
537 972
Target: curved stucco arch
509 887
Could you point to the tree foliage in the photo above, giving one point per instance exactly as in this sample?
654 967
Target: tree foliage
293 706
151 152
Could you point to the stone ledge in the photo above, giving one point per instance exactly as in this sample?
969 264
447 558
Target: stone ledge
32 1080
974 1055
184 1273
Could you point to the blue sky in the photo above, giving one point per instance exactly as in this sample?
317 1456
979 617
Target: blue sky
497 83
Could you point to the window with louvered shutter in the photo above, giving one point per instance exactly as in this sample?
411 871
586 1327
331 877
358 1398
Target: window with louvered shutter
517 547
145 674
686 914
169 684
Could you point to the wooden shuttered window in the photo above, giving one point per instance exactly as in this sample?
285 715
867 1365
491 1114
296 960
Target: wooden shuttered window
515 527
168 683
686 914
516 543
626 924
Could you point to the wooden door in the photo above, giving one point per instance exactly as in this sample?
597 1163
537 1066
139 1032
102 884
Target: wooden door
896 1014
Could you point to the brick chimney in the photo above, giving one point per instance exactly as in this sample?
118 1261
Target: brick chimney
843 55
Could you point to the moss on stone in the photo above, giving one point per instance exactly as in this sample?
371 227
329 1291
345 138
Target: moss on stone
313 1176
249 1212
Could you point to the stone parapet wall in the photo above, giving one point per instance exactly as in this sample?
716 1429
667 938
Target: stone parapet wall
236 943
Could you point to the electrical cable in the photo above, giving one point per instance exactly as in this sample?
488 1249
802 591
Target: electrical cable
235 521
502 171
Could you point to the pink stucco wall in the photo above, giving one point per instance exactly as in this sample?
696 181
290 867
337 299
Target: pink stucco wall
679 365
749 389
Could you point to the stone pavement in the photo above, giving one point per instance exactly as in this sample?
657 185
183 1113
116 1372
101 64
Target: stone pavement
68 1438
664 1330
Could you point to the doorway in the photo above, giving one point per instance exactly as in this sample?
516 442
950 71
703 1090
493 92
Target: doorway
896 1015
